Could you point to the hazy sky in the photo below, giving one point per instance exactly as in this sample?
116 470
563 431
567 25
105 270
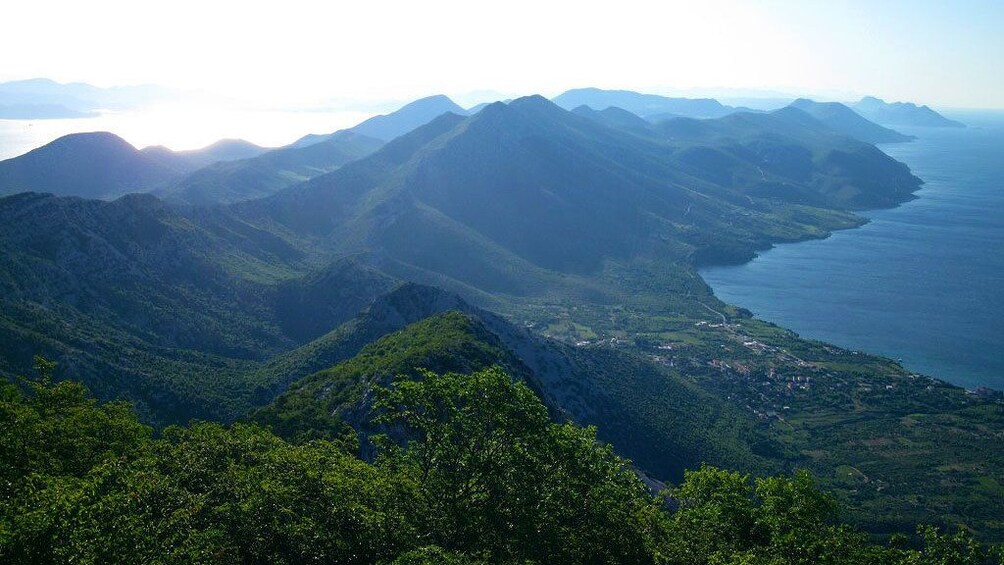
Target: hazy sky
944 53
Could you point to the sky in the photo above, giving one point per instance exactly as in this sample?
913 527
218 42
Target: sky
295 52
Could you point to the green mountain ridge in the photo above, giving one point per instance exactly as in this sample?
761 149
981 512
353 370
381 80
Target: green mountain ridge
191 160
90 165
386 127
643 105
104 166
590 387
138 298
268 173
527 186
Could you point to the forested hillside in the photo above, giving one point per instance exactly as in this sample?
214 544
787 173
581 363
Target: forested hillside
477 474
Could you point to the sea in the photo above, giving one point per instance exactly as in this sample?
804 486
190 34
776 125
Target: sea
180 126
922 283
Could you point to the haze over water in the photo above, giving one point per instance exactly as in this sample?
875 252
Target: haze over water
923 282
180 126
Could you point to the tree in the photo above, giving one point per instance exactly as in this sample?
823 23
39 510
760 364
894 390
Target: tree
497 477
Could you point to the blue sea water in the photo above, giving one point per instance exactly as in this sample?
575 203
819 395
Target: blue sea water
923 282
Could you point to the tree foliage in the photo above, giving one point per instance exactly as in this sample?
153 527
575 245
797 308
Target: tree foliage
473 472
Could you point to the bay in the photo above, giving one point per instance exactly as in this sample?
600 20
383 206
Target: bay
922 283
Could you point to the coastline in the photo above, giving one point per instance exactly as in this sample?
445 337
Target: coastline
854 327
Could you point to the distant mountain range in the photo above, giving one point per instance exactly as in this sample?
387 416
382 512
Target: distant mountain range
388 126
644 105
223 150
43 98
103 165
227 171
235 180
851 120
902 114
841 118
496 200
90 165
235 170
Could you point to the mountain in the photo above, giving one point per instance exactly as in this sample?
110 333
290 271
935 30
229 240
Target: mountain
501 200
478 107
310 139
166 306
191 160
89 165
582 231
902 114
235 180
409 117
848 122
517 204
388 126
103 165
644 105
614 117
426 328
790 155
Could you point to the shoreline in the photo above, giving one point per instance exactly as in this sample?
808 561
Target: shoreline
968 379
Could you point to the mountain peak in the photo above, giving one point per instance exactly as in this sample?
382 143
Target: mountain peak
902 113
643 105
95 138
408 117
534 104
411 302
91 165
532 100
435 99
842 119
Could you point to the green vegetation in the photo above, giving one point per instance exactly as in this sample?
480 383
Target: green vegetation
319 405
918 449
480 475
262 175
89 165
583 231
662 423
